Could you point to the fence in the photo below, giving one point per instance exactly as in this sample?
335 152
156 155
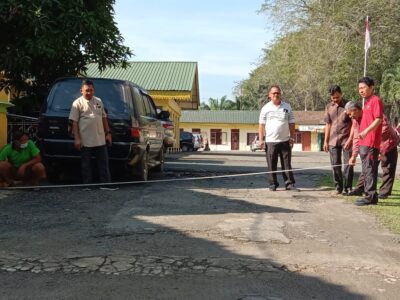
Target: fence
22 123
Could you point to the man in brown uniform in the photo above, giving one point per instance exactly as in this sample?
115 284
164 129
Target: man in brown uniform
337 141
91 133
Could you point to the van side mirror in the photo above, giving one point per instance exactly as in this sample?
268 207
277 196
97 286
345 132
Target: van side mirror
163 115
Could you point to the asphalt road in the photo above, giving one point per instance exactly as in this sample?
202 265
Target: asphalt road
225 238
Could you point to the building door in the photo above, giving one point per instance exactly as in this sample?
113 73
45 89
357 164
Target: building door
306 140
234 139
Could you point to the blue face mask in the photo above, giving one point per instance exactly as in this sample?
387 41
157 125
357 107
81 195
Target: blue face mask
24 145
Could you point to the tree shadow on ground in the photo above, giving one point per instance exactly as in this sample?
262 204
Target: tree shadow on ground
134 220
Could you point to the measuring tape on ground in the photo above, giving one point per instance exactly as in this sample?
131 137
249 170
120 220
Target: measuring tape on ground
124 183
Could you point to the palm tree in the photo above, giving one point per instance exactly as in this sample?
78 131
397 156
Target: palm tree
221 104
390 89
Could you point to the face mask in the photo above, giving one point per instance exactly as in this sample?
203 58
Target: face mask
23 146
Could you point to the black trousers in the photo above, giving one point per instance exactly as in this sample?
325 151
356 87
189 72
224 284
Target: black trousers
369 159
346 181
100 153
388 164
283 151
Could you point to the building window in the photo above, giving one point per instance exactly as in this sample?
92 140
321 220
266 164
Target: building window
196 130
218 137
250 137
297 137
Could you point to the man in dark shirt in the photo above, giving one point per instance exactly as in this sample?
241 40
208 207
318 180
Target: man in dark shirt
337 140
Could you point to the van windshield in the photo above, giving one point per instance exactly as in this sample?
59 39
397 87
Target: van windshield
113 95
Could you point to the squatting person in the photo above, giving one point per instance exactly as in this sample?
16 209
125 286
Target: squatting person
338 141
21 160
276 123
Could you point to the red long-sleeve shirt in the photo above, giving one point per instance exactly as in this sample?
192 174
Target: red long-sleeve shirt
390 137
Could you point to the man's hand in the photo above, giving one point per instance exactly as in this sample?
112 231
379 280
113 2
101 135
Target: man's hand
21 171
326 147
362 134
77 143
348 144
352 161
108 139
261 144
291 142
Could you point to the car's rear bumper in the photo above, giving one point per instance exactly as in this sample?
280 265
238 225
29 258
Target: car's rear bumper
64 150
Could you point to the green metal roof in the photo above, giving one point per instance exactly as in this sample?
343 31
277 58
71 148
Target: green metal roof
156 76
220 116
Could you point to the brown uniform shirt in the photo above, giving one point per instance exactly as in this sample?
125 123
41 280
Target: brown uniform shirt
340 123
89 114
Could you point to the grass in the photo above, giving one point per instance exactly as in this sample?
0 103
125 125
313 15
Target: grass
387 211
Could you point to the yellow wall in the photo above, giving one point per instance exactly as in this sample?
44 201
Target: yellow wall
243 130
170 105
206 129
4 103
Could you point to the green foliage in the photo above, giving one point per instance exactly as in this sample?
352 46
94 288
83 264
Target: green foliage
321 43
46 39
220 104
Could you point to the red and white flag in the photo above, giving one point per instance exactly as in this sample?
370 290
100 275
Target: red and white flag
367 44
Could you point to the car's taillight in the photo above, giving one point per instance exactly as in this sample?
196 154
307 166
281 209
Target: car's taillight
168 126
135 130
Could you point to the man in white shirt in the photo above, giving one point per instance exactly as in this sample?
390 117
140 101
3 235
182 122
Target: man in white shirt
276 123
91 133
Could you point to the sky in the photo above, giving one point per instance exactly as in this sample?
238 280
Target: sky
225 37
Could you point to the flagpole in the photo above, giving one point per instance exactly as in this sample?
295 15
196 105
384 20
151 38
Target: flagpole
367 44
365 50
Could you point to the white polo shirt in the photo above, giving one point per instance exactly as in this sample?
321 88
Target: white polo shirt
89 114
276 120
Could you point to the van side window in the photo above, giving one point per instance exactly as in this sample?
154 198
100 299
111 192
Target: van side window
129 99
150 109
139 102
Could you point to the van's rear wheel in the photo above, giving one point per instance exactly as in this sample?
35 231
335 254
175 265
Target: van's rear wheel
143 167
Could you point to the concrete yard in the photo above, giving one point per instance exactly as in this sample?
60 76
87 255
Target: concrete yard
223 238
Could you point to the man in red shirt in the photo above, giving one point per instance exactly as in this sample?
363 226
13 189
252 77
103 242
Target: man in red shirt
370 136
388 152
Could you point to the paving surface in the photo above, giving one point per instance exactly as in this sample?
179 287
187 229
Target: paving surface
202 239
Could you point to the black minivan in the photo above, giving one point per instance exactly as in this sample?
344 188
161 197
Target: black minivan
136 127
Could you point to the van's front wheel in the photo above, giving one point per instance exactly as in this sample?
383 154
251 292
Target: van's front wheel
143 167
160 166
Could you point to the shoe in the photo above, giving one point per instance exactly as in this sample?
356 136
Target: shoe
291 187
364 202
382 196
338 192
272 188
345 193
355 193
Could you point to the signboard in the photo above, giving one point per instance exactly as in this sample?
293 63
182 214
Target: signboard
312 128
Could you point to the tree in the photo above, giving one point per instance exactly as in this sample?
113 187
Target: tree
390 90
46 39
219 104
320 43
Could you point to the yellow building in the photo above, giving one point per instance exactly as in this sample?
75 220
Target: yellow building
174 86
4 103
235 130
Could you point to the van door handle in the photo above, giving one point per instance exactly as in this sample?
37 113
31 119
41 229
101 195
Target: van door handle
54 127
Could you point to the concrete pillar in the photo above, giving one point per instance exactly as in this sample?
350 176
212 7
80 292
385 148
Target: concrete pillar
3 122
